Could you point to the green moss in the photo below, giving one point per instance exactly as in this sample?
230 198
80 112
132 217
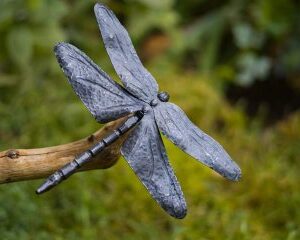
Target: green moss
38 108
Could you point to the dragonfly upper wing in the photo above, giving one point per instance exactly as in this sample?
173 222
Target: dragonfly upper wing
173 123
136 79
146 155
103 97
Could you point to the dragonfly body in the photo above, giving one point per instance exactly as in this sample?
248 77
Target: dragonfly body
150 111
87 156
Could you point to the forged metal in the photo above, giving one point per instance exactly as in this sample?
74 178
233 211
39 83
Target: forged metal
70 168
143 150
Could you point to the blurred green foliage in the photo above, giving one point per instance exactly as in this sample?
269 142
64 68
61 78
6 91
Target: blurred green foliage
194 49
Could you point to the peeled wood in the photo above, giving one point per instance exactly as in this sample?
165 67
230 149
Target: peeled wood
26 164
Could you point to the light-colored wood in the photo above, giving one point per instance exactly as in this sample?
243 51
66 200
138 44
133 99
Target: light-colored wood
26 164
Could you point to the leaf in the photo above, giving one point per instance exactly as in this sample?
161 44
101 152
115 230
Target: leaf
19 46
6 13
47 37
46 12
8 80
158 4
252 67
247 37
151 20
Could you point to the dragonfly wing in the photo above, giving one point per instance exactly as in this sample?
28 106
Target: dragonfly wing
174 124
146 155
136 79
103 97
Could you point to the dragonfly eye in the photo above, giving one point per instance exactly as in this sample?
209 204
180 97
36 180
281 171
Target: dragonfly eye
163 96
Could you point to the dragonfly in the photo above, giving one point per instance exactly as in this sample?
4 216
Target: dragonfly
149 113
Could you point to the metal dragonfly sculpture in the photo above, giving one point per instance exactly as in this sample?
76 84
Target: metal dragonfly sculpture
149 111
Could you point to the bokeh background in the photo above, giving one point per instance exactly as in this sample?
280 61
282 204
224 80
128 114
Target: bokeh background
233 66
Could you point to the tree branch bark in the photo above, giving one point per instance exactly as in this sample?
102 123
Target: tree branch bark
25 164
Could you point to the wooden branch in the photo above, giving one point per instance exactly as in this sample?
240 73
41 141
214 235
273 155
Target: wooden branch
26 164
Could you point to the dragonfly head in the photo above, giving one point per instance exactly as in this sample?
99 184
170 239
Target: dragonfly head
163 96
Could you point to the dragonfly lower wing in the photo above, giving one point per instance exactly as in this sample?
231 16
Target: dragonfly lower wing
174 124
146 155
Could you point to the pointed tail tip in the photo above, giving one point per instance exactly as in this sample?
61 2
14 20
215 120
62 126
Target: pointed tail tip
38 191
46 186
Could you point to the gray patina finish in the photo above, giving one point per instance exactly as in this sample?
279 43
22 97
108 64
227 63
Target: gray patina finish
151 112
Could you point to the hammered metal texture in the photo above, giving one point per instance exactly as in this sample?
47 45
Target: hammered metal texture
103 97
146 155
136 79
174 124
144 149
